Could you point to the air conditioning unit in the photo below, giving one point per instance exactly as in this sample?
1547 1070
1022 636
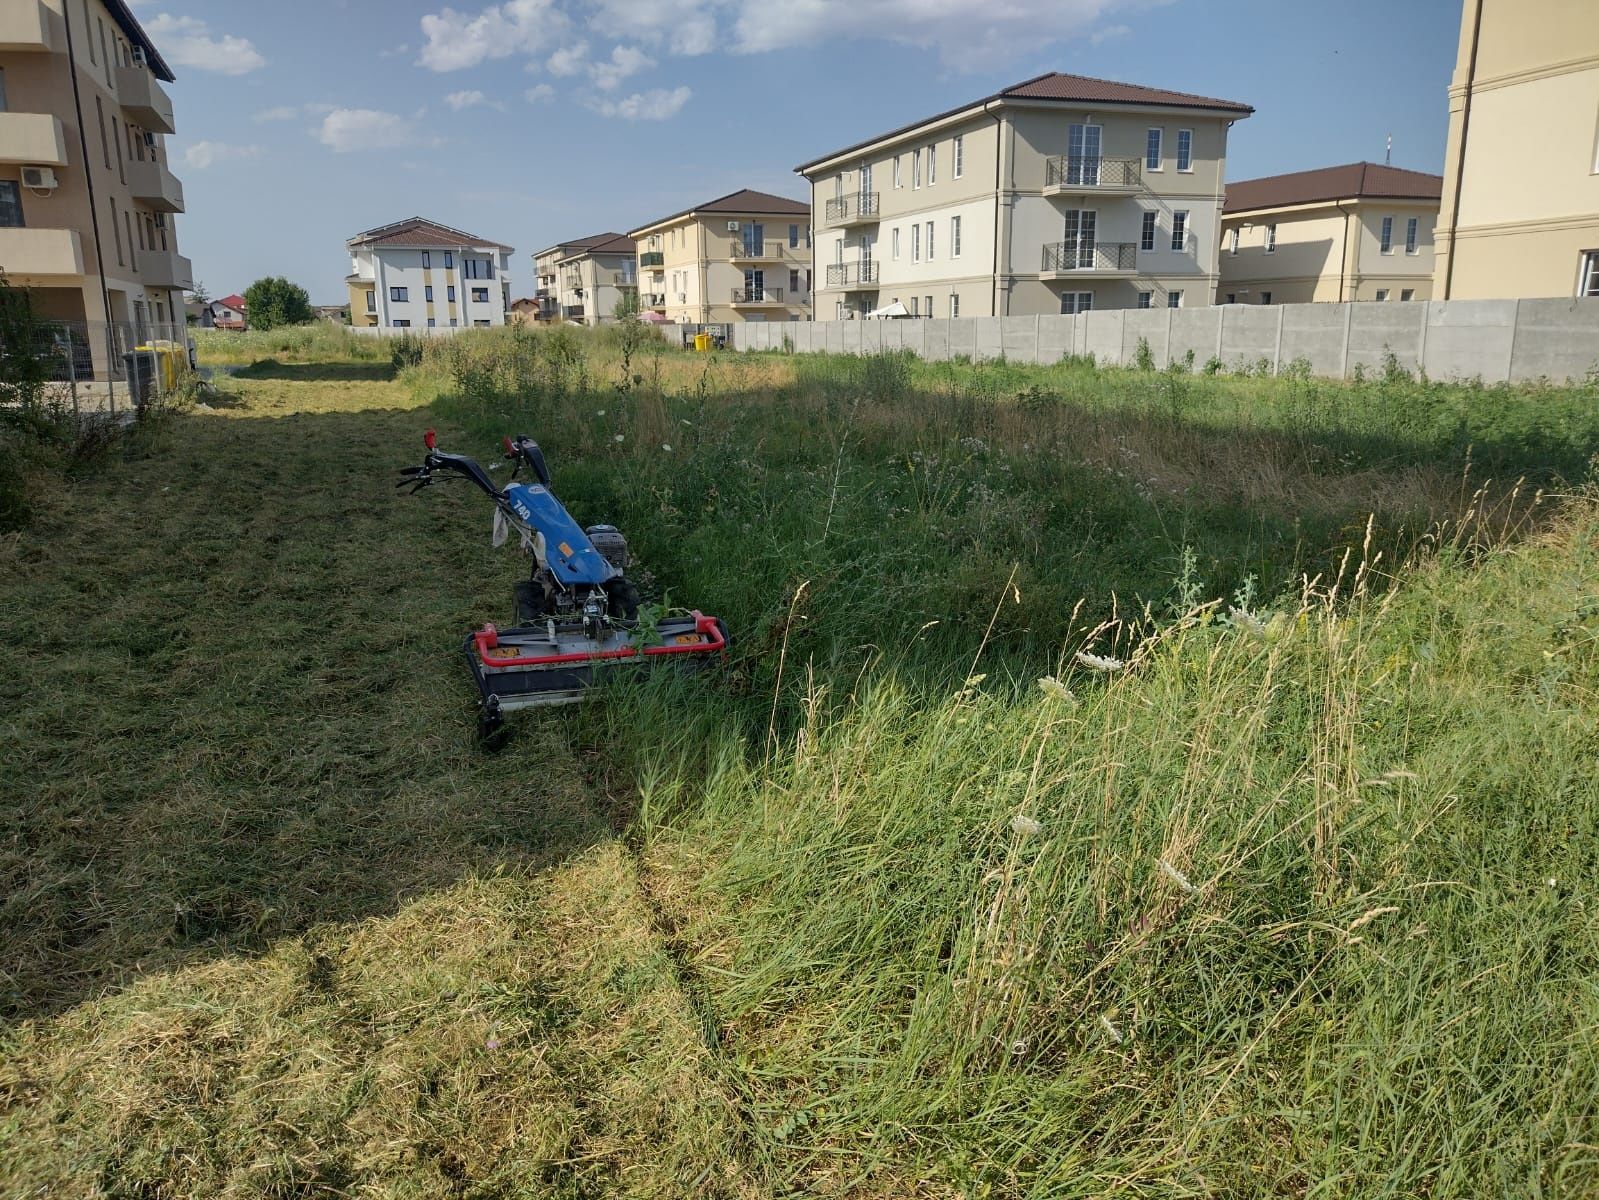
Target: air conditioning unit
732 227
682 297
139 58
40 179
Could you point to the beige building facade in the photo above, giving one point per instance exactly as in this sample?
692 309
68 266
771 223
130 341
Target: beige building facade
585 281
1059 194
1363 231
1520 212
88 202
745 256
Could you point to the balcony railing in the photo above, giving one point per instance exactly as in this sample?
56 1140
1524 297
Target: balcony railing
652 299
1103 257
652 258
757 250
1070 172
165 269
757 295
154 186
144 99
852 275
858 209
41 253
33 138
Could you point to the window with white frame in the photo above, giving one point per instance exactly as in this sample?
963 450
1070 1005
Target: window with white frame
1076 302
1146 238
1185 149
1232 240
1145 299
914 303
427 260
927 305
960 156
893 238
916 169
1152 149
399 295
1382 293
954 237
1588 280
1174 299
954 304
916 243
1179 229
898 179
1387 238
1407 294
932 165
1271 239
1413 236
929 241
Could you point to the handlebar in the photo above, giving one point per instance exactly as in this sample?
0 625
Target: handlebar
419 477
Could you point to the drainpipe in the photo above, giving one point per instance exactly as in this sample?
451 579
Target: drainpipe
1343 252
1465 130
999 152
88 178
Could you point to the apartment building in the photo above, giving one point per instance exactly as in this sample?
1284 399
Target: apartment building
1362 231
745 256
584 281
1059 194
417 273
1520 211
87 201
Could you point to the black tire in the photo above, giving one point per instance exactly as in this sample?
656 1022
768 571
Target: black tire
623 599
529 601
491 732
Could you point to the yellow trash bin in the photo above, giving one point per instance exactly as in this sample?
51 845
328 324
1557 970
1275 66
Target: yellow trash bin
702 342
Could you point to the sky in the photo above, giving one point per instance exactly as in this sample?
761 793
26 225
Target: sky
528 122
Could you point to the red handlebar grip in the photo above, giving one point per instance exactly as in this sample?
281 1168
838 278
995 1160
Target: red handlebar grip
430 439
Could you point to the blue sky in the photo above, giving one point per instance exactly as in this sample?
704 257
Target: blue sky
302 122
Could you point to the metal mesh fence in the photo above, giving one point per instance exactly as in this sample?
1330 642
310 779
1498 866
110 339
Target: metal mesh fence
105 368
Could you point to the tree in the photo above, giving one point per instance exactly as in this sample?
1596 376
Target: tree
275 301
627 306
198 294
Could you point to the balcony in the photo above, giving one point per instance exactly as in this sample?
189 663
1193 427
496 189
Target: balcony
33 138
145 100
24 25
572 312
1081 175
756 251
154 186
1062 259
165 269
652 258
844 211
652 299
852 277
757 296
33 255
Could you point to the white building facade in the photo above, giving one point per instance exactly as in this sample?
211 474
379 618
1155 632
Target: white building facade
419 274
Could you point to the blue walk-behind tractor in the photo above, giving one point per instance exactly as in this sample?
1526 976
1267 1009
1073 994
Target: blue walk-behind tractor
577 615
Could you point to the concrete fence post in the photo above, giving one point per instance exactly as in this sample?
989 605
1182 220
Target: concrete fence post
1510 353
1277 350
1421 338
1349 318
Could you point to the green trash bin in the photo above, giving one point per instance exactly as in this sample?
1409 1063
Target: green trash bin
140 366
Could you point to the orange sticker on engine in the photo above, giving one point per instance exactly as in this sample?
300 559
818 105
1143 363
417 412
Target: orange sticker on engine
566 550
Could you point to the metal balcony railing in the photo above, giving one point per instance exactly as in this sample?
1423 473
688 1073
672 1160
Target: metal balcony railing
847 210
1091 171
742 249
652 258
1090 256
757 295
849 275
652 299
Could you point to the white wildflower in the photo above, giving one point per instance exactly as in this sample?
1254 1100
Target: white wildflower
1099 662
1025 826
621 437
1247 621
666 446
1176 876
1115 1034
1553 882
1056 690
599 412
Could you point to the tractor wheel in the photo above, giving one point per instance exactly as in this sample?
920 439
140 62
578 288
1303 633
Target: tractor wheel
491 732
529 601
623 599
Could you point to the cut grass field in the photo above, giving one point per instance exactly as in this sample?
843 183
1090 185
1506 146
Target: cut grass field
1299 901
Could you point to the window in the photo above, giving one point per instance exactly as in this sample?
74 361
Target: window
1152 149
10 204
449 259
1407 294
1179 229
1265 297
807 237
481 324
1145 299
914 313
1174 299
1232 297
1082 154
1079 233
371 301
1387 235
929 241
452 322
480 295
2 89
477 268
1185 149
894 240
793 280
1232 240
960 155
402 324
1271 239
793 237
932 165
927 307
954 305
954 237
1412 235
427 262
1382 293
399 295
427 293
898 181
431 322
916 168
1146 240
1588 283
916 243
105 146
83 7
1076 302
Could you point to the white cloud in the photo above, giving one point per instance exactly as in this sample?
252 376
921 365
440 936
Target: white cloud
187 42
657 104
346 129
683 27
206 154
455 40
568 60
283 112
1100 36
539 93
460 100
624 61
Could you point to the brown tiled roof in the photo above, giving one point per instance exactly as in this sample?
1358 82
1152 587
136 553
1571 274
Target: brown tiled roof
576 244
421 233
745 200
1061 88
603 243
1348 182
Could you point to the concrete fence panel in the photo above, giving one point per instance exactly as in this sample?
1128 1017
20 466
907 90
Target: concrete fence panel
1101 335
1249 334
1464 339
963 336
935 340
1377 330
1147 325
1315 333
1555 339
1054 338
1195 331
